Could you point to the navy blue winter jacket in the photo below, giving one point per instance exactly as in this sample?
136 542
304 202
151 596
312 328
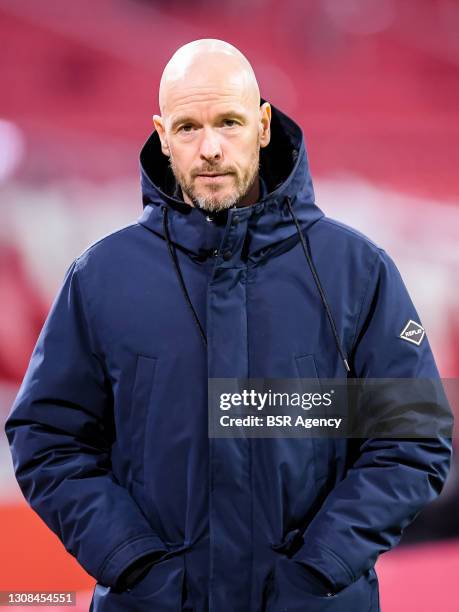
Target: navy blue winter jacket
109 430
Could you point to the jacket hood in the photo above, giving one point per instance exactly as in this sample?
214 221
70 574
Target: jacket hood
285 170
286 210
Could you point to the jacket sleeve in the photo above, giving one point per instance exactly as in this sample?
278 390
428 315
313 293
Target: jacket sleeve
391 480
60 432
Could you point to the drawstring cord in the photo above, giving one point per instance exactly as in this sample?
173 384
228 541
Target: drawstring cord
179 273
308 258
319 286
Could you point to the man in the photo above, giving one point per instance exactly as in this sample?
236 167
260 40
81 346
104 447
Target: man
231 272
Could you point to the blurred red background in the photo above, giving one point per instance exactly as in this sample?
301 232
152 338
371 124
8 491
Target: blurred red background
375 86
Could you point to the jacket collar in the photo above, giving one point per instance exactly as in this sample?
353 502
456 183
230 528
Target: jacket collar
285 170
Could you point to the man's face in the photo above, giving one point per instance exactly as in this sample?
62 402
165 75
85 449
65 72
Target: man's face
213 132
233 161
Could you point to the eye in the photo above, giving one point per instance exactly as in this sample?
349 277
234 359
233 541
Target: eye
184 128
232 121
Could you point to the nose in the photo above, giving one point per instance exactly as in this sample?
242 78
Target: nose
210 146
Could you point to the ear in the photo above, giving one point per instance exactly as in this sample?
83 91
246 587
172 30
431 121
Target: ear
159 126
265 124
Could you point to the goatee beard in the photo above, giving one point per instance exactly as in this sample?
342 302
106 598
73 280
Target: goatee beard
214 204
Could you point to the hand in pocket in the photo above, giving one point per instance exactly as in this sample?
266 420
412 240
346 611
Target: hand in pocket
162 582
309 579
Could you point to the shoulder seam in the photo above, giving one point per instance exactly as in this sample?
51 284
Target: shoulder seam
83 309
365 293
94 340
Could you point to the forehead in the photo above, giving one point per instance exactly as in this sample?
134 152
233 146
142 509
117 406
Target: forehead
207 107
208 91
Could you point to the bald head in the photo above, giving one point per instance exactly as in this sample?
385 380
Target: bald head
212 125
207 61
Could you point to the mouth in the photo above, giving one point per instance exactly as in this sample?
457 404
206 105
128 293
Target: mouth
212 178
213 174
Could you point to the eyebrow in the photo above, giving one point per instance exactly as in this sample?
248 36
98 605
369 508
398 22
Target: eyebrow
187 119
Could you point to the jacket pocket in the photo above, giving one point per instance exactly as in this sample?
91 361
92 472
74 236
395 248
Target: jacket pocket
161 590
290 592
162 586
323 448
306 366
140 410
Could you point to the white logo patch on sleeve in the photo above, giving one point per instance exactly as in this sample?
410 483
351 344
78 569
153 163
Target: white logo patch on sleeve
413 332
